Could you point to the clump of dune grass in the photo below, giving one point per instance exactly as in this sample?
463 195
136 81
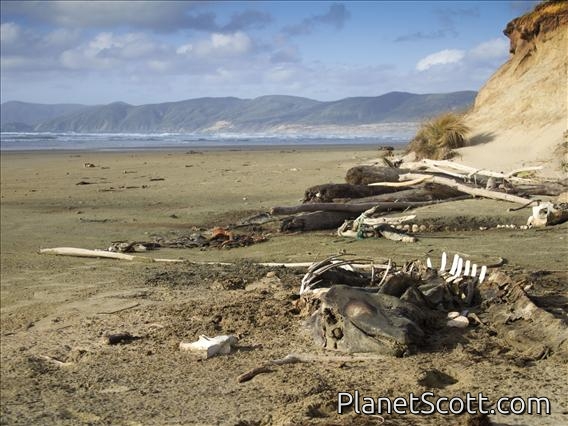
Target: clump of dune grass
437 138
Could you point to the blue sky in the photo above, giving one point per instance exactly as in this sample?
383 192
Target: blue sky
148 52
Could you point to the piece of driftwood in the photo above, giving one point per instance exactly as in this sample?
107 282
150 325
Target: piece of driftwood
268 264
298 358
329 191
351 207
251 374
547 188
56 361
350 228
116 311
79 252
315 220
478 192
399 184
391 233
364 175
356 265
427 192
460 170
257 219
368 227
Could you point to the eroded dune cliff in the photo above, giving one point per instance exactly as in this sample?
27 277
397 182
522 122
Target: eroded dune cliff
520 116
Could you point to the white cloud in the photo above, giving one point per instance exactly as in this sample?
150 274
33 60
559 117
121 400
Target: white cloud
159 66
492 49
22 41
184 49
446 56
282 74
491 52
219 45
238 41
106 50
161 16
62 38
9 32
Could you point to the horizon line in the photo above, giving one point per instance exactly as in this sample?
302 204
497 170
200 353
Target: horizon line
236 97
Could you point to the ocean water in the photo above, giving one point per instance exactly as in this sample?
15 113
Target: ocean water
12 141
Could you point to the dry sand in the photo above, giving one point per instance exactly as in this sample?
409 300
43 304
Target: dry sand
61 308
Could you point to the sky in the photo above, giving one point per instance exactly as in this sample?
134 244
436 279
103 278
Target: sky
139 52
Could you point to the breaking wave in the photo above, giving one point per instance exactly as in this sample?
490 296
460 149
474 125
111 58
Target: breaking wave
16 141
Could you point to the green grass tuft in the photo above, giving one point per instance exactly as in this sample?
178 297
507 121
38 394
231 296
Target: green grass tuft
436 139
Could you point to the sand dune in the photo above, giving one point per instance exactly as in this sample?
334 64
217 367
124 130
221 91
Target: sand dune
520 116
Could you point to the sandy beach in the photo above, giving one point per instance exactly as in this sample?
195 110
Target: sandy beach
55 311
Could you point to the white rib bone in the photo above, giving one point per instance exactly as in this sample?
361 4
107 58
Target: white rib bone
459 268
482 274
474 270
454 264
467 266
444 261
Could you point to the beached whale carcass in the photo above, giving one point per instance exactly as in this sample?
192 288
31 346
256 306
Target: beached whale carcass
389 317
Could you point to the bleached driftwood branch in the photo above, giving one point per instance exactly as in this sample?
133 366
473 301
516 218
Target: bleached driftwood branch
79 252
399 184
352 228
454 169
477 192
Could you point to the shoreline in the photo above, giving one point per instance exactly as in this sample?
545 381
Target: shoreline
206 148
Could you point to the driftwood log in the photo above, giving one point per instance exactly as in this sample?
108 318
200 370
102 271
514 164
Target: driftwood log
511 182
315 220
477 192
425 192
353 209
364 175
462 171
329 191
547 188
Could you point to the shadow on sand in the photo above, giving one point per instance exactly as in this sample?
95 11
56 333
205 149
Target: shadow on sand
481 138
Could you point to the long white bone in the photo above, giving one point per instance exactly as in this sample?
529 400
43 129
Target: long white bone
482 274
474 270
467 266
459 268
444 261
454 264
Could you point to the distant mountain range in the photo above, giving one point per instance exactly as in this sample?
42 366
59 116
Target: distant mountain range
266 113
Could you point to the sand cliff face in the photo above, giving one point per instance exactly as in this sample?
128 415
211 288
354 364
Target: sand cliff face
520 116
